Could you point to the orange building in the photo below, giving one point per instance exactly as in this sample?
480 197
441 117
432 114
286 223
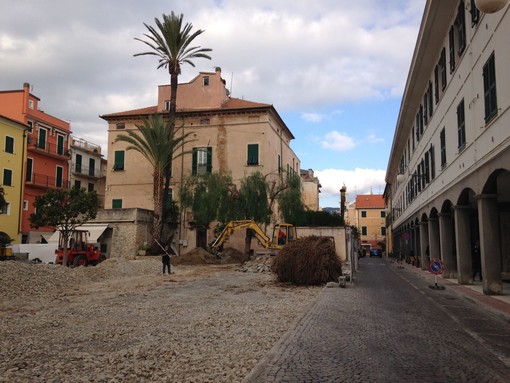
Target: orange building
370 218
47 163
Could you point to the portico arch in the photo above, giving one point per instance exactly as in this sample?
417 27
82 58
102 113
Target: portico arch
494 219
466 234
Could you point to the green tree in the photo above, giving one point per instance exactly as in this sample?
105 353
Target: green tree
210 197
158 142
290 200
64 210
170 41
254 204
2 198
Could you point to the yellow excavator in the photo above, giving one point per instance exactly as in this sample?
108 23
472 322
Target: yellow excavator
283 233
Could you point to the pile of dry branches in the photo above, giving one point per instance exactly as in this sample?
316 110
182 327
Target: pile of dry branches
308 261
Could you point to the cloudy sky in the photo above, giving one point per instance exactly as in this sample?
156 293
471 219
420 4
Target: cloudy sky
335 70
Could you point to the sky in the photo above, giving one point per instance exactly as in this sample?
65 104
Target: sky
334 70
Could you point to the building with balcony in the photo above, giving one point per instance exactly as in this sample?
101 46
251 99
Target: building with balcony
47 161
87 169
12 160
229 135
448 176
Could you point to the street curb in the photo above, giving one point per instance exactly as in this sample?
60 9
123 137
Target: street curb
490 303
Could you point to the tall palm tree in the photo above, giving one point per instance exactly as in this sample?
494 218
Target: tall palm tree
158 143
170 41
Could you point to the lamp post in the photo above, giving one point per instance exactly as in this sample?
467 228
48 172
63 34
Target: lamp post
490 6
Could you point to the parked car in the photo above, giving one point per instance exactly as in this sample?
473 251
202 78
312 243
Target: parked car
375 253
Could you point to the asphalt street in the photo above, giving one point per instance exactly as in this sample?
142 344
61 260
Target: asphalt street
390 326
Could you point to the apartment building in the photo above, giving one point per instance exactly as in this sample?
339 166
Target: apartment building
230 135
368 214
448 176
12 160
88 167
47 162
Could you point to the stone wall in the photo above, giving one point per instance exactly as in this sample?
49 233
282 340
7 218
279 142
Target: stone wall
336 232
128 230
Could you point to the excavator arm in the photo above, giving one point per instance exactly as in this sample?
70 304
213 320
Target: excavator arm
263 239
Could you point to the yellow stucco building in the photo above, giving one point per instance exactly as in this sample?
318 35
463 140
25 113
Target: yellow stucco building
12 160
229 135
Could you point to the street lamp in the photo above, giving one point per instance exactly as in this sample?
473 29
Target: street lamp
490 6
402 177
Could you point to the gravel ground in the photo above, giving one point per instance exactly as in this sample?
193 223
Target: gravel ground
122 321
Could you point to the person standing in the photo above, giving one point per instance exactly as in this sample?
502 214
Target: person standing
166 262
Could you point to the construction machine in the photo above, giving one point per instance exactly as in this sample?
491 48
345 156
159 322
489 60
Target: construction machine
283 233
79 252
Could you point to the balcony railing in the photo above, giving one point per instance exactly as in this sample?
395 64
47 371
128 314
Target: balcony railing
44 181
48 148
84 145
87 171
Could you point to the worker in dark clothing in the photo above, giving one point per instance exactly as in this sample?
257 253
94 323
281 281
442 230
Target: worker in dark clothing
166 262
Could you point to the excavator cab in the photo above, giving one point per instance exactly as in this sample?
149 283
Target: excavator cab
283 233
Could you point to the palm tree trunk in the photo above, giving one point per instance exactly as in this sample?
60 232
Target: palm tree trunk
158 209
174 78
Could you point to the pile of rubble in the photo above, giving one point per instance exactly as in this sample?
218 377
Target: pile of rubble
260 263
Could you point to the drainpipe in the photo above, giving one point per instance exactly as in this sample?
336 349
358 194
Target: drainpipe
22 181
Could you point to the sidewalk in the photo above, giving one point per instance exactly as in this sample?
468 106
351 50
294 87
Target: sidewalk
499 304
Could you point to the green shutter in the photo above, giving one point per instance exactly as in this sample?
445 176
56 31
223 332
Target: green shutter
116 204
60 145
28 176
253 154
78 163
209 160
194 161
119 160
9 144
7 177
60 173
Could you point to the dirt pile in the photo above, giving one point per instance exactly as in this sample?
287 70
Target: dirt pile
199 256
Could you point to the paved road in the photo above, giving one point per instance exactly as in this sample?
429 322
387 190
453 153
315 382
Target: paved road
391 327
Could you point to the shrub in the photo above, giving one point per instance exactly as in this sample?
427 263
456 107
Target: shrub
308 261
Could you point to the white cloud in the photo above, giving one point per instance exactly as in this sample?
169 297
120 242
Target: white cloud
357 181
373 139
312 117
338 141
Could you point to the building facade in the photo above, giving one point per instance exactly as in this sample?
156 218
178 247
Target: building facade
229 135
87 169
448 176
47 161
311 187
12 160
368 214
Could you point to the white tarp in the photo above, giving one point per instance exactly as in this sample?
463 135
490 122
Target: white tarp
95 231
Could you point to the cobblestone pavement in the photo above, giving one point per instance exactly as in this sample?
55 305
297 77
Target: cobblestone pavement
389 326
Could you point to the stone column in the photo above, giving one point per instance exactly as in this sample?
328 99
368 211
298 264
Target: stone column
490 249
463 242
434 241
447 234
424 243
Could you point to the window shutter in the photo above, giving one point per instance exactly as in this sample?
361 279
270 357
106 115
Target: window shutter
253 154
119 160
9 144
7 177
194 162
209 159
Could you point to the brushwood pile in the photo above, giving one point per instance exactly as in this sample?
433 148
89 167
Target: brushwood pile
308 261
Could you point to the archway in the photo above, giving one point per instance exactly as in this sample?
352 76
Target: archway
466 235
